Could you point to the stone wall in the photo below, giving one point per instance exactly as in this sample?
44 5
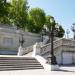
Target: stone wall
9 39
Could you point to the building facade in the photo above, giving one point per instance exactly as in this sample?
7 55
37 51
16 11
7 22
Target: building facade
64 50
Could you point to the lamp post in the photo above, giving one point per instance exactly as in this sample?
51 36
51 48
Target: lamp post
67 32
21 39
53 58
21 42
73 29
43 33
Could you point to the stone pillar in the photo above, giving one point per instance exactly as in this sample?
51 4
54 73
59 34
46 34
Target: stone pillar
36 49
20 51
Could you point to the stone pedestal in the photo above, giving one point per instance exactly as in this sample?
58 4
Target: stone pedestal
20 51
36 50
54 67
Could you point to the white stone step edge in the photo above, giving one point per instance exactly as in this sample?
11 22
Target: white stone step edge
44 63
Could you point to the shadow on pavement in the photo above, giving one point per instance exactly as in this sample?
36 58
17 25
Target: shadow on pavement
65 70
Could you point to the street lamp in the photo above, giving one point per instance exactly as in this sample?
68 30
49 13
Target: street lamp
43 33
21 42
67 32
73 29
21 39
53 58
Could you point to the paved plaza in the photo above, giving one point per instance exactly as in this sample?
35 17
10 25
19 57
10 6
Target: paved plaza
69 70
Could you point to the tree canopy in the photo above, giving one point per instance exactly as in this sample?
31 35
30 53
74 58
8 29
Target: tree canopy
18 13
60 31
4 11
37 19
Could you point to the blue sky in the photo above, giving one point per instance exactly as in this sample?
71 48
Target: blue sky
62 10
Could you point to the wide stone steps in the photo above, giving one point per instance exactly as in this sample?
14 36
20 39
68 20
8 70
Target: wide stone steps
19 63
15 57
26 68
3 63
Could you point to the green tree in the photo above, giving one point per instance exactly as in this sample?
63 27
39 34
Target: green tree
36 20
18 13
60 31
4 11
30 25
47 23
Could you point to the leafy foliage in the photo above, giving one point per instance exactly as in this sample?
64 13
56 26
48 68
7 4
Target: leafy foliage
60 32
47 23
18 13
36 19
4 11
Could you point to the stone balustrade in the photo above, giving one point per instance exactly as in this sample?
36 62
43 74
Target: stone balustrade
46 48
68 42
23 51
27 49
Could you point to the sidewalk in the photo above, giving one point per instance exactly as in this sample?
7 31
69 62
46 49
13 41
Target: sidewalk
64 71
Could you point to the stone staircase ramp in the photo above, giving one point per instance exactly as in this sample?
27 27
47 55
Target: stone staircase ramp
46 49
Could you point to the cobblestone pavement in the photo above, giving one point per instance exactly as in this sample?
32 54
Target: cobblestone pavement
66 70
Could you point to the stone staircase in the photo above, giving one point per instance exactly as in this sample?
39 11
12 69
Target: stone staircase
19 63
46 49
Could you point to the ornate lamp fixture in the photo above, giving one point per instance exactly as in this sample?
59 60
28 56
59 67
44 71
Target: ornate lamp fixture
73 29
